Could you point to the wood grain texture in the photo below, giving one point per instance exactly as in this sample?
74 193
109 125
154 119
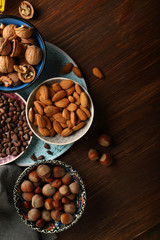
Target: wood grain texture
122 37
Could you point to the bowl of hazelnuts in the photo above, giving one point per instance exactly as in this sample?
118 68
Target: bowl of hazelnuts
22 54
50 196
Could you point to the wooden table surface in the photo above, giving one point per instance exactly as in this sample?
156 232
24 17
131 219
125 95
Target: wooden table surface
122 37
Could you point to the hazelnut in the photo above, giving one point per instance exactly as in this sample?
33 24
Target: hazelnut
65 200
66 218
34 214
49 179
26 10
93 155
9 32
57 205
27 204
27 196
56 183
38 190
71 196
33 55
48 204
67 179
14 77
48 190
6 64
43 171
27 186
74 187
106 159
5 47
104 140
33 176
37 201
40 223
46 215
64 190
58 172
56 215
23 31
70 208
16 48
57 196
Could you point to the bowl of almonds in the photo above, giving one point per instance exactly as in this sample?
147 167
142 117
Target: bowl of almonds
59 111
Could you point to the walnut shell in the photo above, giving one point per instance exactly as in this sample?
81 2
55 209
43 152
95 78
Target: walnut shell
6 81
9 32
15 79
26 10
29 41
16 48
29 75
5 47
33 55
24 32
6 64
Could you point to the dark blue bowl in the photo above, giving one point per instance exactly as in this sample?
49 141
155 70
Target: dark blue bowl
7 19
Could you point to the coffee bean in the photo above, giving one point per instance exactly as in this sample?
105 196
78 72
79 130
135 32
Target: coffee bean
3 155
15 153
26 137
30 133
15 137
49 152
41 157
8 151
33 157
8 120
46 146
17 144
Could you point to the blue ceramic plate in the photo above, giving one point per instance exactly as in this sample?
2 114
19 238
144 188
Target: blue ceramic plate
6 19
56 59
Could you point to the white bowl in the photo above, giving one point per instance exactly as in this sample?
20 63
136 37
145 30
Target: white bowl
58 140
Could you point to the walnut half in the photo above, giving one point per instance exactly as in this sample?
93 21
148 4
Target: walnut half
26 10
26 73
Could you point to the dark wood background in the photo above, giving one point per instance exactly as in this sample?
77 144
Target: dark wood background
122 37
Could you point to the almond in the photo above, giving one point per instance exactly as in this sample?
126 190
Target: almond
66 113
50 110
71 99
66 132
41 122
48 122
51 92
97 72
51 118
45 101
65 84
67 68
35 120
78 126
37 94
31 115
64 125
38 107
56 87
69 124
78 88
52 132
78 121
76 98
73 118
42 104
44 131
57 127
72 107
43 90
59 95
58 117
70 90
35 110
77 72
87 112
81 114
62 103
84 100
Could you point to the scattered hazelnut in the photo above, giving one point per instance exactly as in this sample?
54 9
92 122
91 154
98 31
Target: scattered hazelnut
106 159
33 176
34 214
64 190
93 155
70 208
67 179
56 183
27 186
43 171
66 218
58 172
104 140
48 204
56 215
40 223
48 190
74 187
46 215
27 196
26 10
37 201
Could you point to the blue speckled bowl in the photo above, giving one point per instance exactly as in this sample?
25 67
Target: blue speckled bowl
7 19
53 226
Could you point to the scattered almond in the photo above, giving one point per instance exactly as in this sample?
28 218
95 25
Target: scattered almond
77 72
78 126
67 68
97 72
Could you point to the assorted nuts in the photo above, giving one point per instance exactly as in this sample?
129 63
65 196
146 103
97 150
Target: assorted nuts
49 201
61 108
18 53
14 132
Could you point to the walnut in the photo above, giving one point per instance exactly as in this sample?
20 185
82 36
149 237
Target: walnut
33 55
16 48
24 31
6 81
5 47
9 32
6 64
28 41
15 79
29 75
26 10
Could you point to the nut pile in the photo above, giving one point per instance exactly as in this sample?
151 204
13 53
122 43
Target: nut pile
14 131
18 54
49 193
62 108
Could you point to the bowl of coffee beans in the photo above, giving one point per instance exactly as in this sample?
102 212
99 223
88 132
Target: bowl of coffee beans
15 134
